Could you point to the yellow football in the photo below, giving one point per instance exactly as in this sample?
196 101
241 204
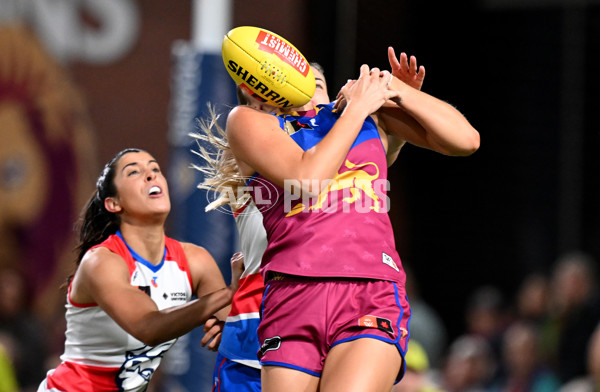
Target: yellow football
268 66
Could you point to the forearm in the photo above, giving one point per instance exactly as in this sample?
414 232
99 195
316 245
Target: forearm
163 325
260 146
323 161
222 313
437 125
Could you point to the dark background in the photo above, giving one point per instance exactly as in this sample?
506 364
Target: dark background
524 72
523 75
524 78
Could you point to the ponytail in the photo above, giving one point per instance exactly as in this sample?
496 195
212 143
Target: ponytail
221 174
96 223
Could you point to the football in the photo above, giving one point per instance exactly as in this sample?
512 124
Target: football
268 67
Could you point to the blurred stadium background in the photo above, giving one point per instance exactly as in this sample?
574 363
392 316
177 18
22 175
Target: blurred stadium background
81 80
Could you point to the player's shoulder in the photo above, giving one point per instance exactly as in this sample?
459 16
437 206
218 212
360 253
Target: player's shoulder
100 254
247 119
242 111
100 262
195 253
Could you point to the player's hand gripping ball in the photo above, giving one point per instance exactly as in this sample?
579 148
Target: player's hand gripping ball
268 67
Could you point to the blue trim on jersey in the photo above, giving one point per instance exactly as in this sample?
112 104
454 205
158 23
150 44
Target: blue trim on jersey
310 136
152 267
249 180
287 365
318 127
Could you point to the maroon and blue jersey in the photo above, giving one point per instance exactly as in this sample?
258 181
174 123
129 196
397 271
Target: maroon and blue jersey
345 231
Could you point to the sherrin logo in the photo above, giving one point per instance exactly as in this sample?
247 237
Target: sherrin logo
253 84
271 44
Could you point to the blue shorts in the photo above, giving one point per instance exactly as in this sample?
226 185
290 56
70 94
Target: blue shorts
302 319
230 376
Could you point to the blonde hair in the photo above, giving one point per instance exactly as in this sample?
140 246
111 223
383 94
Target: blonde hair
221 172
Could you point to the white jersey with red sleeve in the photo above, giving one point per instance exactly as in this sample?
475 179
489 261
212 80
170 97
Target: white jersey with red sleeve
99 355
239 341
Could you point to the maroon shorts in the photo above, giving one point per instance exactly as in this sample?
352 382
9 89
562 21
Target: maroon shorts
303 318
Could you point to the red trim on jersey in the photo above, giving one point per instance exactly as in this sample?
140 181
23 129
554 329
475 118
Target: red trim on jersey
176 253
248 296
73 377
77 304
236 213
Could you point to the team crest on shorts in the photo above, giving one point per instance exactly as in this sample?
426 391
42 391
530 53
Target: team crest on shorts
270 344
380 323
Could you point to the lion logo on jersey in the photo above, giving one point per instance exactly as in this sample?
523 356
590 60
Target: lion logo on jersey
354 182
140 365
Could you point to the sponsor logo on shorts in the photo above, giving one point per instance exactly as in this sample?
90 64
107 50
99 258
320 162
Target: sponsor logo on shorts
380 323
387 259
271 344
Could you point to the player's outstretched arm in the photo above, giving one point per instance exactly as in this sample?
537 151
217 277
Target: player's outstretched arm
257 141
426 121
104 278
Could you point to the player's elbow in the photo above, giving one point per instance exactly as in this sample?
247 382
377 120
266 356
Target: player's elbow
149 333
150 339
146 336
471 144
467 145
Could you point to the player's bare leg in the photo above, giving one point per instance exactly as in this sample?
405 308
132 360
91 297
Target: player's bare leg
277 379
365 365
